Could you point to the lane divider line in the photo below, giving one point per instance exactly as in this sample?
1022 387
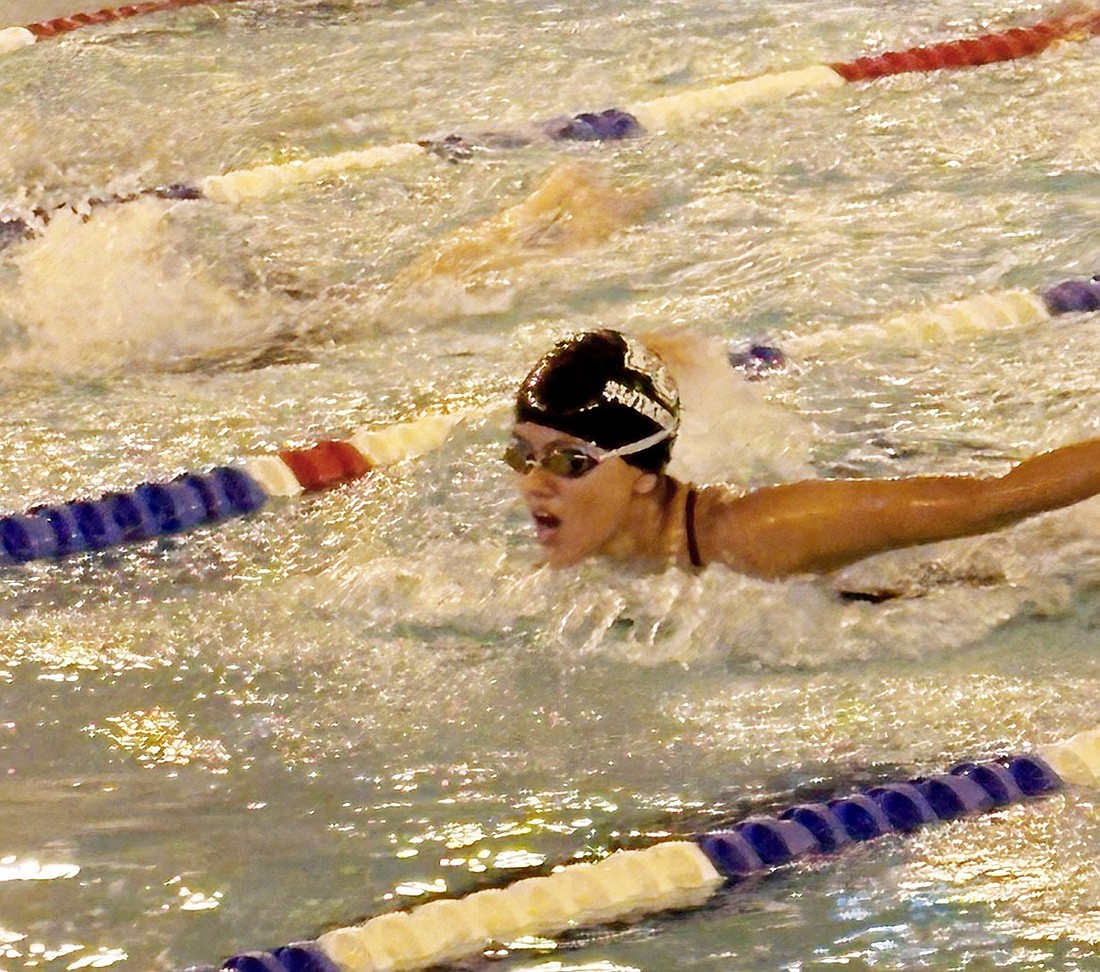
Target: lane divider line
267 180
685 108
664 114
192 500
13 38
1005 45
679 873
957 320
972 317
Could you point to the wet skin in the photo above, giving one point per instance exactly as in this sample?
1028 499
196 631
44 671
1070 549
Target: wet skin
814 526
597 513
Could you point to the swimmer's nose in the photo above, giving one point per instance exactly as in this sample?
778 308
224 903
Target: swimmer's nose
537 482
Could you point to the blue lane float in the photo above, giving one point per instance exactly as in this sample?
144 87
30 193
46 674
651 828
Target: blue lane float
148 511
195 499
1073 296
757 359
674 874
609 125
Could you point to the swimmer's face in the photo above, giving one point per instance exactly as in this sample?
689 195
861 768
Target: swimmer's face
576 516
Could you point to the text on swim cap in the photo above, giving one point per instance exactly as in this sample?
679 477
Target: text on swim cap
615 391
637 357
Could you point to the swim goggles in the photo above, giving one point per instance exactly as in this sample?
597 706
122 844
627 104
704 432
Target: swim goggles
572 462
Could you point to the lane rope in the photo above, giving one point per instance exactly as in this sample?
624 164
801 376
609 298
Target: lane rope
663 114
1006 45
955 320
192 500
679 873
13 38
678 110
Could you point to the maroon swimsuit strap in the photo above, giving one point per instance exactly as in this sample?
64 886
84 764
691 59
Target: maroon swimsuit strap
689 527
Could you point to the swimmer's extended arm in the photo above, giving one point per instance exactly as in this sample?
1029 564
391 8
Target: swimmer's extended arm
818 526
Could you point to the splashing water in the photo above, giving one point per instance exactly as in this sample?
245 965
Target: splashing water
362 698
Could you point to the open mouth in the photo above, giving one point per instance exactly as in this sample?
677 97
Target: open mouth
545 525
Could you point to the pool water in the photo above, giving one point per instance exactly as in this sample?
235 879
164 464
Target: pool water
354 701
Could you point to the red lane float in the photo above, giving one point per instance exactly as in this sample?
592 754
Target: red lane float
326 464
63 25
1006 45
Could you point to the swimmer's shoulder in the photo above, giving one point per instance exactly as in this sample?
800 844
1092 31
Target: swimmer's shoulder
714 531
763 533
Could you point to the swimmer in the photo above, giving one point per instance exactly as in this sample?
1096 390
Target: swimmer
595 422
611 124
576 206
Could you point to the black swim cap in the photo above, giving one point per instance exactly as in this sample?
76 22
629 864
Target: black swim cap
605 388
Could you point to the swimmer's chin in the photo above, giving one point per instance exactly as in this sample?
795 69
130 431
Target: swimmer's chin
558 559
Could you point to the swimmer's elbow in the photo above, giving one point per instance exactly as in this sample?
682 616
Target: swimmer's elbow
787 568
778 562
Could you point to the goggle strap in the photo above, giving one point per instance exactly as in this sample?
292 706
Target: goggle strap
640 446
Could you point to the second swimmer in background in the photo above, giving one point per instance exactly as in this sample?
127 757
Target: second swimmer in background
595 422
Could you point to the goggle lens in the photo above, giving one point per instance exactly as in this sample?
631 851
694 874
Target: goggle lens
565 461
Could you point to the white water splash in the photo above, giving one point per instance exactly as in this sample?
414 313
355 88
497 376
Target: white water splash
117 291
730 431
